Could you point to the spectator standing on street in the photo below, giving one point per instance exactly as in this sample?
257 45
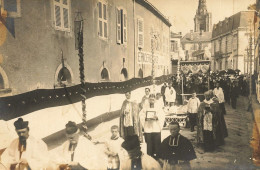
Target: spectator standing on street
129 121
176 151
163 91
170 95
193 105
218 92
234 94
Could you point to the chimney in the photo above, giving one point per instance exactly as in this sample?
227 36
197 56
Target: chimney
191 35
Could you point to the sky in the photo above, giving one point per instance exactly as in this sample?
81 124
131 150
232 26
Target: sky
182 12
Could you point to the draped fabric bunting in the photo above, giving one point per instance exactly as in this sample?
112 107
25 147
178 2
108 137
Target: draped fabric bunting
15 106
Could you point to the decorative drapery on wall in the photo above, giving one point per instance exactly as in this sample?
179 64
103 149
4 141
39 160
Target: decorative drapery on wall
15 106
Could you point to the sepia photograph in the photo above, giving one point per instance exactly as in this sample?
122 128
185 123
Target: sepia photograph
129 84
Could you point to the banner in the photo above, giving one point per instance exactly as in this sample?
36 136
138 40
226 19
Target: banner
195 66
147 58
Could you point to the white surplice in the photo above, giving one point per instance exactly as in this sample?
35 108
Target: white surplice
36 154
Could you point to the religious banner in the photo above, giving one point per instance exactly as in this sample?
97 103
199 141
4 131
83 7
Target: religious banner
195 66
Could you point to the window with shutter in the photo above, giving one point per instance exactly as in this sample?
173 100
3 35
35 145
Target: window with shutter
118 25
61 15
121 26
125 27
102 20
140 29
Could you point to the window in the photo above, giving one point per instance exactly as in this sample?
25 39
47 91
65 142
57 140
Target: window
104 74
140 73
102 20
61 15
124 74
13 7
140 30
64 77
121 23
174 46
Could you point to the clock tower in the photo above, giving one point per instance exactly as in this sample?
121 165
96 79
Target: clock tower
202 20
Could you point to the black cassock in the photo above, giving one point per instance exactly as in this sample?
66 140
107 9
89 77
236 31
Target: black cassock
176 149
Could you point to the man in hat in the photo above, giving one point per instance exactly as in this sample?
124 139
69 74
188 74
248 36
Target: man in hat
234 94
137 160
129 121
193 105
77 152
25 152
176 151
152 119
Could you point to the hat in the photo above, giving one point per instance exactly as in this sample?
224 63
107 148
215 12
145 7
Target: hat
20 124
131 142
71 127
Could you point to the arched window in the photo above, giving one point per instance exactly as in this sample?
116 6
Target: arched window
2 85
104 74
124 73
140 73
64 77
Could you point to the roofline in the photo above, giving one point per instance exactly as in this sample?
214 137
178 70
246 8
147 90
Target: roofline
154 10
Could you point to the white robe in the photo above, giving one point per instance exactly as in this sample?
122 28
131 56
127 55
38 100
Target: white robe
36 154
151 126
86 154
170 94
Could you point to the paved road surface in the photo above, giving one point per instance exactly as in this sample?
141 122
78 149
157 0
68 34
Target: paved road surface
237 152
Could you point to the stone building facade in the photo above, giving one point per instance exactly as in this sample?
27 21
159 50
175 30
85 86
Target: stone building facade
37 42
230 42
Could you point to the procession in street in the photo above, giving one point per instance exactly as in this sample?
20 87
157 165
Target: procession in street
115 85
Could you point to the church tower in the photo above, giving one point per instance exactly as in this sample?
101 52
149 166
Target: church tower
202 20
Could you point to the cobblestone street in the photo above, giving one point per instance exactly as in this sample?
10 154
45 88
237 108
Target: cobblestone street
237 152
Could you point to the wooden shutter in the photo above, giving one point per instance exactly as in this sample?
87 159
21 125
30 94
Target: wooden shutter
118 26
100 23
105 19
140 29
57 16
124 27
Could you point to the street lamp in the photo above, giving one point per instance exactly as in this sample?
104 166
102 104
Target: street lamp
78 28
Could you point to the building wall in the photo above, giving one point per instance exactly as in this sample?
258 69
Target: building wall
153 24
33 58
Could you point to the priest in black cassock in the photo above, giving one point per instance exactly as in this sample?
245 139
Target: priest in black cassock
176 151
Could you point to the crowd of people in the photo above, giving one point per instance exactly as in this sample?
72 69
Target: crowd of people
139 123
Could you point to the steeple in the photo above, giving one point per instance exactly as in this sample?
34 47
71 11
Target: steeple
202 20
202 8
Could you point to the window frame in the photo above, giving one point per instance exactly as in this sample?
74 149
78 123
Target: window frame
141 46
121 26
13 14
62 7
103 20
